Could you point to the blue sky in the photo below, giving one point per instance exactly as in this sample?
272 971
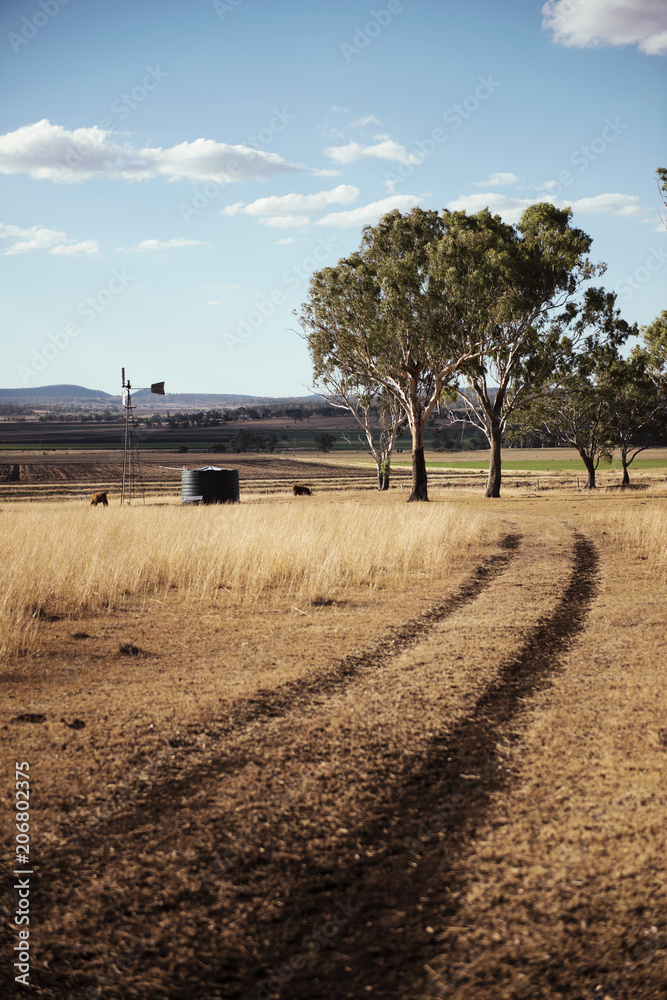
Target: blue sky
173 172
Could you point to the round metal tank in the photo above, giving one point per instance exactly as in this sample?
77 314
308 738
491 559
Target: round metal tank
210 485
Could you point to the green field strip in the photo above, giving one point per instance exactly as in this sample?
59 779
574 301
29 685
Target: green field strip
542 465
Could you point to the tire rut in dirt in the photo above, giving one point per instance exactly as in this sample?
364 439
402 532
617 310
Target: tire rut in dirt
409 859
157 795
281 700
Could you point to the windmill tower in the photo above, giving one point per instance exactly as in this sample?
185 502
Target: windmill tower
132 478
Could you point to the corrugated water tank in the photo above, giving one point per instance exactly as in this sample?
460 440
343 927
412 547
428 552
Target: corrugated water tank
210 485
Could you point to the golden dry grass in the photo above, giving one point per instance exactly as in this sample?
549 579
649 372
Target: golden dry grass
66 560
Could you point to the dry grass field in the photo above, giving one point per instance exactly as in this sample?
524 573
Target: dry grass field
340 746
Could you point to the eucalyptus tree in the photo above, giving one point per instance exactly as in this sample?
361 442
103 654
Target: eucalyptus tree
580 402
639 418
515 289
380 319
380 416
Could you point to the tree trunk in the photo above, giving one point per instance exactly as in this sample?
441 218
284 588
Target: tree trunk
383 479
626 476
495 471
419 479
590 469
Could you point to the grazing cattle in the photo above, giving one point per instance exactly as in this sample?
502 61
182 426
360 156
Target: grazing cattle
301 491
99 498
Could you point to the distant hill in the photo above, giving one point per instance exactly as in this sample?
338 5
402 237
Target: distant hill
209 400
59 394
53 394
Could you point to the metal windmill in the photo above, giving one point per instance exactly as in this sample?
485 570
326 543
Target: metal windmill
131 464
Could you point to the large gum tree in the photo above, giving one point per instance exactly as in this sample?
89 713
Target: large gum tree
510 288
380 317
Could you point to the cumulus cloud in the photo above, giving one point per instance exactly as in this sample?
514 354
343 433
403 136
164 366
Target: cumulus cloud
385 149
327 173
51 152
292 204
165 244
511 209
293 210
610 204
585 23
40 238
497 180
367 215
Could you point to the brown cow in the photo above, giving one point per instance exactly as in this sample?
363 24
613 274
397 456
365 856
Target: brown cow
301 491
99 498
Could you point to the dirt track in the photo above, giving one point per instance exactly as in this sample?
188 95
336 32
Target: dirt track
310 841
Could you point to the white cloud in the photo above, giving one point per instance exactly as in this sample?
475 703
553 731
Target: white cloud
339 107
213 302
386 149
293 204
285 240
293 210
165 244
497 180
50 152
610 204
88 248
586 23
367 215
327 173
365 120
231 284
40 238
511 209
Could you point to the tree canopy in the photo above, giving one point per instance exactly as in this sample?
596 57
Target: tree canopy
513 289
379 318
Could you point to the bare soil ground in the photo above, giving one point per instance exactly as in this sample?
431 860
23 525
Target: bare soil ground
451 792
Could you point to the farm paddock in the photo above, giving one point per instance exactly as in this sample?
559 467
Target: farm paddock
403 785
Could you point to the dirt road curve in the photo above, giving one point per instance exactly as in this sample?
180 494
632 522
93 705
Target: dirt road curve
310 841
